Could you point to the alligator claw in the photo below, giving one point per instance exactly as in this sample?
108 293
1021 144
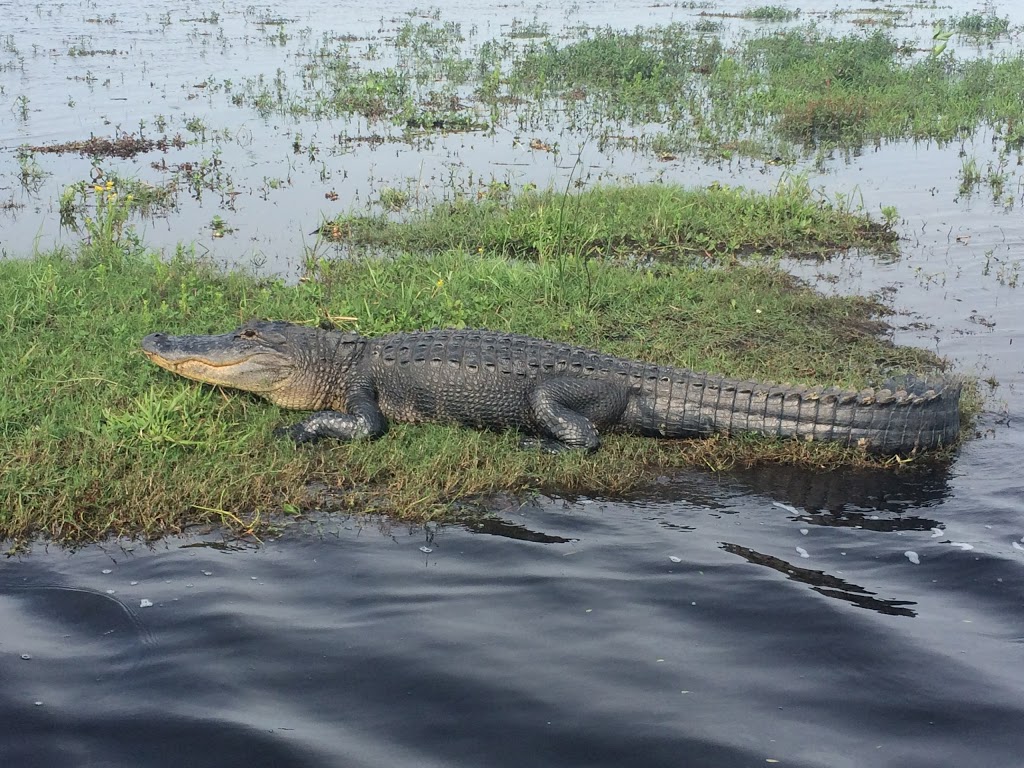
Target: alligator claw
544 445
298 434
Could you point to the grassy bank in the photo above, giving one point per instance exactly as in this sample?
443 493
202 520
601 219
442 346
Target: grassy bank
95 440
652 221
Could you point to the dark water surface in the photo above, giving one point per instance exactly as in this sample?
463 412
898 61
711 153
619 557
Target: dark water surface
847 619
721 620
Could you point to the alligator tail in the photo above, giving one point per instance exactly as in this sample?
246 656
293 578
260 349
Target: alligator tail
904 415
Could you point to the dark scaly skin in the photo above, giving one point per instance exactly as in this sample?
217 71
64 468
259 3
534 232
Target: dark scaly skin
561 395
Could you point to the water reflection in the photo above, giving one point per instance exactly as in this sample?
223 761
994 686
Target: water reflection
850 492
496 526
869 522
881 500
823 583
90 614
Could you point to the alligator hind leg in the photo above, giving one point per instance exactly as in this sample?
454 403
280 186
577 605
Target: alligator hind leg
568 412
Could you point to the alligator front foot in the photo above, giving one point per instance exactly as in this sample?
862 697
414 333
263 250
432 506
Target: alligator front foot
366 423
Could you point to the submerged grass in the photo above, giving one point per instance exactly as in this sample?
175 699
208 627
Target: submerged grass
769 13
820 89
94 440
628 223
979 25
803 85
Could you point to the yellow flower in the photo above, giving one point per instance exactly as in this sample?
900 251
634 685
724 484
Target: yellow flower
97 188
112 197
110 183
440 283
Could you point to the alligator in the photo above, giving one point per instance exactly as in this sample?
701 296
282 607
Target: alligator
558 396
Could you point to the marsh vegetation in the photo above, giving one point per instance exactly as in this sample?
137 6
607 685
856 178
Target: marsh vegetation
94 440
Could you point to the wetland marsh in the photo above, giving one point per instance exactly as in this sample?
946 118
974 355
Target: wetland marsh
823 193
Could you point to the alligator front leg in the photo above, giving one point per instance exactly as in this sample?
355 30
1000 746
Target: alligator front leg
362 420
570 410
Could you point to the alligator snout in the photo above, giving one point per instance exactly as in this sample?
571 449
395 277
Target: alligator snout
152 343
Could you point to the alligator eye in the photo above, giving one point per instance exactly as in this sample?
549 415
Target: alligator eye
248 333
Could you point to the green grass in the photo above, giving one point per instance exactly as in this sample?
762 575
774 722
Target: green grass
979 26
95 440
638 76
769 13
819 89
640 222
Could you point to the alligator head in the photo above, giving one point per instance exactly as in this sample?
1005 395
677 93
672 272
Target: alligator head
276 360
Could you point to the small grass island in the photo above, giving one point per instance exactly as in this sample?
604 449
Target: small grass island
95 441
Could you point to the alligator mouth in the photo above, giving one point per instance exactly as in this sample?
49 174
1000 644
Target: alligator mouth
177 363
177 358
231 373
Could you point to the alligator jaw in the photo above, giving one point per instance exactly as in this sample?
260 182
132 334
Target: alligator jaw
197 368
218 360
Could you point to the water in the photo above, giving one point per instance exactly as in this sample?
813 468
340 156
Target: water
579 641
733 619
167 69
